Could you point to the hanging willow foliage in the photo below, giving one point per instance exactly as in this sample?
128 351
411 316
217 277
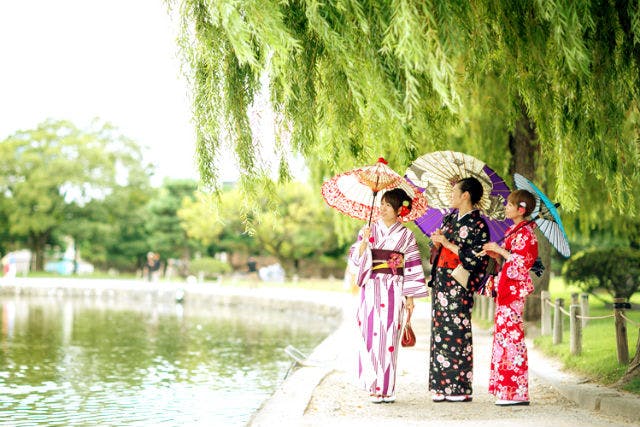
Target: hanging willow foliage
354 80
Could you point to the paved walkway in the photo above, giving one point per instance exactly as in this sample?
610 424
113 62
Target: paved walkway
324 392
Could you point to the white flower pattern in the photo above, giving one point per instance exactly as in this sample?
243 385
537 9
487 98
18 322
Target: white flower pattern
451 364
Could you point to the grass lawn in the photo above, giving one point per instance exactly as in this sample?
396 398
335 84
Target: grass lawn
598 361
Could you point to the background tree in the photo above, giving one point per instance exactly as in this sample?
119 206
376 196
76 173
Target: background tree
300 229
613 270
213 220
50 170
112 233
166 234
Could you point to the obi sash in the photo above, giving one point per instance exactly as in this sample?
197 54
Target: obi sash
387 262
448 259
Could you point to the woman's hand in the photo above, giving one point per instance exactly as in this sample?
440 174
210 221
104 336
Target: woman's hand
366 232
409 304
491 246
436 237
494 250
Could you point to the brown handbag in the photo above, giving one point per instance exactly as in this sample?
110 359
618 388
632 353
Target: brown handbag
408 337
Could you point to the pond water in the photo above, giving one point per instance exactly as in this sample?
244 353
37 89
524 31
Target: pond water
71 362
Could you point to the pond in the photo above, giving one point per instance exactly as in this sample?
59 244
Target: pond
73 362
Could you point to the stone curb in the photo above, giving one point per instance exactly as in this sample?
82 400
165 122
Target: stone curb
290 400
589 396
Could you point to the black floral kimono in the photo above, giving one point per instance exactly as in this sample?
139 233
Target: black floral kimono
451 364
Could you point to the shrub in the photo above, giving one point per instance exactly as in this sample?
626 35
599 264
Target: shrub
210 267
614 270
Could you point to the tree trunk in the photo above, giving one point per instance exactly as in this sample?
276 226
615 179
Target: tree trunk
523 146
633 371
37 243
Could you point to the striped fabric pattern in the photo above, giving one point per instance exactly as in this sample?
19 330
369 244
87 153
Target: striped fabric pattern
382 300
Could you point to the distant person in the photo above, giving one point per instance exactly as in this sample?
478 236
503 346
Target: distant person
509 378
252 271
388 270
9 266
153 266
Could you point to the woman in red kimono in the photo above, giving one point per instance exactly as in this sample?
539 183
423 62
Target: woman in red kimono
509 378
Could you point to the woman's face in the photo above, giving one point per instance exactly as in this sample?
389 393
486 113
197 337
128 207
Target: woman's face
387 213
511 210
456 197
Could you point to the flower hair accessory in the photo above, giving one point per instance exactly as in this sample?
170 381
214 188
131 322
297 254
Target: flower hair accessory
522 207
404 209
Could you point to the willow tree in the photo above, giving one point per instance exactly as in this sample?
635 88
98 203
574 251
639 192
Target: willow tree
353 80
548 88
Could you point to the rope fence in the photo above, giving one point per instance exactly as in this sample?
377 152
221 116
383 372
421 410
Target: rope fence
634 323
578 319
608 316
551 320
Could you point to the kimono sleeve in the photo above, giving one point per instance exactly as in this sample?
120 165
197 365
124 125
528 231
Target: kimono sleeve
414 282
360 265
515 281
478 236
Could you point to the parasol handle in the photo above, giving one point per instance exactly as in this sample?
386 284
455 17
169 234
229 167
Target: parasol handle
373 202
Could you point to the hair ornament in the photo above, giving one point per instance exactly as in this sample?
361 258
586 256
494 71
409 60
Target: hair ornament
404 209
523 204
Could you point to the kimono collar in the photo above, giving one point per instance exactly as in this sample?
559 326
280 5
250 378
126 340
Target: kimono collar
468 213
386 230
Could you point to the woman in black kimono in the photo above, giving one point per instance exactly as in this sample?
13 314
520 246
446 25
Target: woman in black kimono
460 238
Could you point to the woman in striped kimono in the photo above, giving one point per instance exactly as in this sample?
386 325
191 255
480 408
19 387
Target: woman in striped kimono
389 272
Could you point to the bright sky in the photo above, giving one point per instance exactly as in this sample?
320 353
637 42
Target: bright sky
116 60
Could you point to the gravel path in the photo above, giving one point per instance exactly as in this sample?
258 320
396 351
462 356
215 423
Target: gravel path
336 400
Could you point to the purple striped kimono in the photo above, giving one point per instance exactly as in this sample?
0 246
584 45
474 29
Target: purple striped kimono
382 299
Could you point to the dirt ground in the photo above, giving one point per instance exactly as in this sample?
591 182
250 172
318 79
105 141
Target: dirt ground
338 401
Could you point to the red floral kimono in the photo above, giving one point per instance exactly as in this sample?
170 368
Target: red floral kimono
509 379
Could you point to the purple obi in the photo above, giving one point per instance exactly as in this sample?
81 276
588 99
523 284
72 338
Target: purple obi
387 262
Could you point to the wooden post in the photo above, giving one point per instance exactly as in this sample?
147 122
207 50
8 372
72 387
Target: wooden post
584 309
619 304
574 299
575 328
491 309
557 321
545 313
476 306
633 370
483 307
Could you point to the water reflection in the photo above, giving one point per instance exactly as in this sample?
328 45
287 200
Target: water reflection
89 362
